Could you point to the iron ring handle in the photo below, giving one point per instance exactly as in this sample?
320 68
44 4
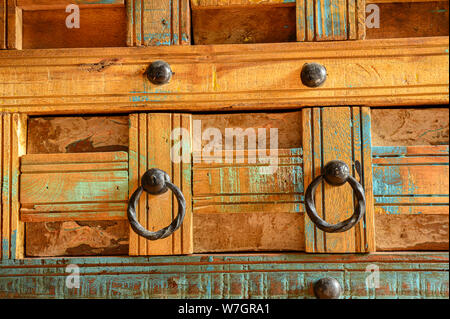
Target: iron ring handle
156 181
336 173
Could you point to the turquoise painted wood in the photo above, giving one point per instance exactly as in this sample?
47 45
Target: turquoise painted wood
410 275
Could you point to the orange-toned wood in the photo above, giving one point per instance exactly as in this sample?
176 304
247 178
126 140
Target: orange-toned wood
410 172
411 19
243 21
341 133
103 26
319 20
13 145
77 186
62 4
150 147
3 22
225 77
14 26
158 22
248 190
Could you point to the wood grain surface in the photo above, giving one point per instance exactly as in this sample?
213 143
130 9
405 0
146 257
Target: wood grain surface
225 77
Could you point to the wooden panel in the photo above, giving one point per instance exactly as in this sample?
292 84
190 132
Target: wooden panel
411 19
158 22
14 26
150 146
3 21
83 186
412 232
253 230
326 20
73 134
338 133
99 27
243 21
248 189
13 128
62 4
409 275
409 127
411 190
387 72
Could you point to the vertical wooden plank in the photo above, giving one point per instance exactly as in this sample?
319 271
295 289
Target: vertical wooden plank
158 22
369 218
357 156
3 21
338 203
14 27
150 147
19 131
142 168
330 20
160 213
6 186
133 173
341 133
310 20
13 140
300 15
361 19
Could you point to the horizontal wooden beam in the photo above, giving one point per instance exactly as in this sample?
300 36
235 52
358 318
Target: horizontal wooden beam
226 77
413 275
62 4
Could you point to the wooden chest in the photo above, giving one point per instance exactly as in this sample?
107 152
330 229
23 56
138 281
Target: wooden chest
306 143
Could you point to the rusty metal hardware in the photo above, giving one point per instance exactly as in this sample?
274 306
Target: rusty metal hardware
336 173
327 288
159 72
155 182
313 74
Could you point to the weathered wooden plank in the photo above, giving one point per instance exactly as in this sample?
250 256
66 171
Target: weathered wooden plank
339 133
61 187
96 134
415 232
260 230
62 4
103 26
3 24
13 145
376 76
158 22
151 142
408 275
400 19
406 127
14 27
233 22
324 20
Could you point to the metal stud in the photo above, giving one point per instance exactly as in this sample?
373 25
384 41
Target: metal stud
313 74
159 72
327 288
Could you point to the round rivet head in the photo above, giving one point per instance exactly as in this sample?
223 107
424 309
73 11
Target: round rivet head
327 288
336 172
159 72
154 181
313 74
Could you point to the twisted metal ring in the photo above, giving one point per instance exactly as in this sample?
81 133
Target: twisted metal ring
340 172
156 182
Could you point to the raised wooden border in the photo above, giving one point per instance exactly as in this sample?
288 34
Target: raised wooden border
345 134
408 275
13 134
158 22
212 78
